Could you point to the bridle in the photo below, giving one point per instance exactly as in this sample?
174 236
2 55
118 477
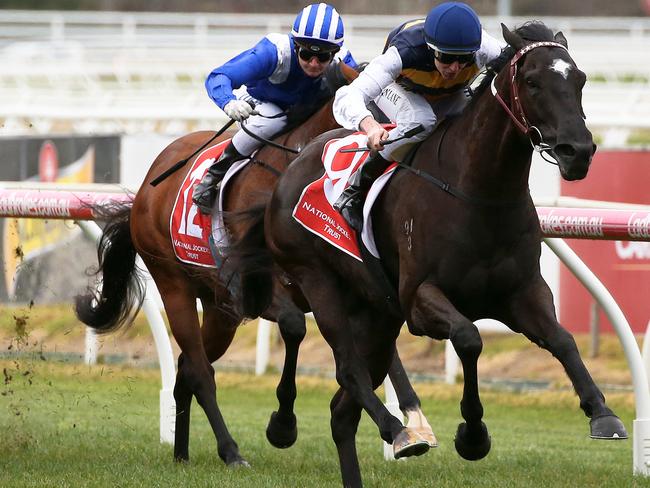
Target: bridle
515 111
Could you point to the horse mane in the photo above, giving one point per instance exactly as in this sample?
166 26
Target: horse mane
531 31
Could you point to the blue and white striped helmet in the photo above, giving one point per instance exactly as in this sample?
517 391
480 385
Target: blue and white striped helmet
319 23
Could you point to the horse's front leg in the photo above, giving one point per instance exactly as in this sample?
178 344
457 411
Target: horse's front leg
433 315
531 312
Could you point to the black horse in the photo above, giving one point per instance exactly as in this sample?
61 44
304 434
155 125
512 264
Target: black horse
454 256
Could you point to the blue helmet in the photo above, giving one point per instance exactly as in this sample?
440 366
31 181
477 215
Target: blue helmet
453 27
319 24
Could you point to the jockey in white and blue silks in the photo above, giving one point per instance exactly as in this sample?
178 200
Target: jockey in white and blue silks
419 78
280 72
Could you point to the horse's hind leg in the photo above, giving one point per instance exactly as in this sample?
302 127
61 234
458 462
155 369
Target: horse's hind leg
183 399
180 308
282 428
531 312
409 403
218 331
195 376
433 315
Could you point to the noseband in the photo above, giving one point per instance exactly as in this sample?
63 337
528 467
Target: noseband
516 113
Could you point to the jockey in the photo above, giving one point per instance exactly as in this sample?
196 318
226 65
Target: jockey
419 78
280 72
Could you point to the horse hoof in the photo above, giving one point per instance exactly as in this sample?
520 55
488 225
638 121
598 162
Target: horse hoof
238 463
409 443
182 459
427 435
607 427
472 444
282 432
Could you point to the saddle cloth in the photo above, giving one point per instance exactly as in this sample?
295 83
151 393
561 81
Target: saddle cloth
189 228
314 209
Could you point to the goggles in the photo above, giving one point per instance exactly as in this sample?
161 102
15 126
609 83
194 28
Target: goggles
323 56
449 58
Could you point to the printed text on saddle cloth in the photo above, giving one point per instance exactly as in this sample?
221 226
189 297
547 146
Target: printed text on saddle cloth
189 228
314 209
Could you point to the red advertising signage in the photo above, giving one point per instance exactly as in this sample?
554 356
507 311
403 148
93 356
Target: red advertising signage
622 266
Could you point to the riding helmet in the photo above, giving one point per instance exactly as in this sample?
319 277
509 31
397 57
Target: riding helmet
318 27
453 27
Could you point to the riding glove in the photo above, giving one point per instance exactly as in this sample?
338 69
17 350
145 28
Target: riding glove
239 110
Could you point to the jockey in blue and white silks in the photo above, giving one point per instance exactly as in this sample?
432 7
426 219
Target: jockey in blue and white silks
280 72
419 78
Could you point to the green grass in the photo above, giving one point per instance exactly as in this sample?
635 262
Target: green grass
73 425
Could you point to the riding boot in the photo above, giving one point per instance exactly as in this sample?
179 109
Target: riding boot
206 191
350 203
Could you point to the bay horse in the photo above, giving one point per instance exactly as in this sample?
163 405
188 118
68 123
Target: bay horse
459 240
143 228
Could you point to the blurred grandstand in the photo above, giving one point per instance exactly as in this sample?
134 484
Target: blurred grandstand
110 72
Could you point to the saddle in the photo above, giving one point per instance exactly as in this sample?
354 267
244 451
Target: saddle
314 209
190 230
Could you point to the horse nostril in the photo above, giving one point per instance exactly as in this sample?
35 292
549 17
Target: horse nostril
565 151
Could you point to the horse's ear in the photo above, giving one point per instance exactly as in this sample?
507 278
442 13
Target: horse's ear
559 37
348 73
511 38
337 74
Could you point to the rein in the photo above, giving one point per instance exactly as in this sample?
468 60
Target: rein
266 141
447 188
515 111
183 162
266 166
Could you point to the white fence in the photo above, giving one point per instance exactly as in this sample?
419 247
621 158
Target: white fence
141 72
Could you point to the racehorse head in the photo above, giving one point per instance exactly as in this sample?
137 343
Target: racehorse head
545 88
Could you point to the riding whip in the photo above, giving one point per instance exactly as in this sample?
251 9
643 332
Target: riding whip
182 162
410 133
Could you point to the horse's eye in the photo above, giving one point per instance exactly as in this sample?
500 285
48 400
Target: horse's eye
531 83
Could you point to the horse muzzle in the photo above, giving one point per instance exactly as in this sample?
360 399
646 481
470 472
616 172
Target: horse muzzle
574 159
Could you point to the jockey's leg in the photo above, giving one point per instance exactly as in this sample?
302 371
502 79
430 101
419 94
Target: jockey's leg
350 203
407 110
264 125
205 192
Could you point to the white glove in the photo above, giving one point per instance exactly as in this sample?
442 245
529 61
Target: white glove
239 110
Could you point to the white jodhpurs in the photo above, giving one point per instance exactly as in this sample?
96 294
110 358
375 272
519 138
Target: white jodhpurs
259 125
408 110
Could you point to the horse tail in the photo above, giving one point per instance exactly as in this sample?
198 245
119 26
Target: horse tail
252 260
116 299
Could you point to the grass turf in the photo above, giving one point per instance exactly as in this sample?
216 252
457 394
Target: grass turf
73 425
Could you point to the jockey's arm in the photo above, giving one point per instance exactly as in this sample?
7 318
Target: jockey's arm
350 102
375 131
254 64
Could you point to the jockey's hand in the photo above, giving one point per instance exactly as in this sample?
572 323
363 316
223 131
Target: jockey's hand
239 110
376 133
